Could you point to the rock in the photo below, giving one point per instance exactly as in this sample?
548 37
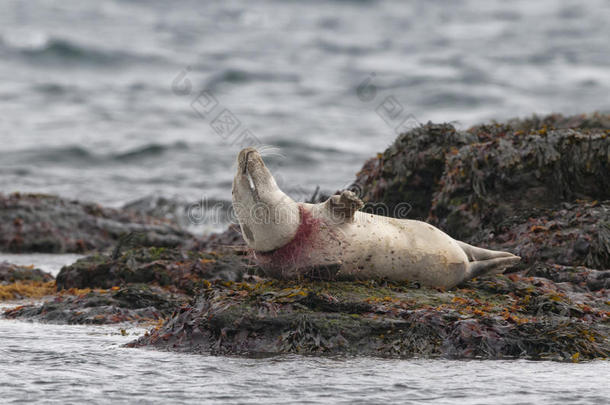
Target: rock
18 282
517 317
48 224
471 182
409 170
11 273
574 234
176 269
132 303
513 175
140 285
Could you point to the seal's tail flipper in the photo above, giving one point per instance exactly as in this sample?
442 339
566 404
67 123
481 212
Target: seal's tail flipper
491 266
476 253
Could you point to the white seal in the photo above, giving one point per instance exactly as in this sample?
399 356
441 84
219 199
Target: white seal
334 240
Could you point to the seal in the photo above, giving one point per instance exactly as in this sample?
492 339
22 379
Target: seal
333 240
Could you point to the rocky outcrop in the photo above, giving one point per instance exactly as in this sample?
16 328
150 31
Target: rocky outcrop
17 282
513 175
48 224
131 303
174 269
534 187
572 234
470 182
12 273
507 317
410 169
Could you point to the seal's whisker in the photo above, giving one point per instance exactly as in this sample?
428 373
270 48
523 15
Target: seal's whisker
270 151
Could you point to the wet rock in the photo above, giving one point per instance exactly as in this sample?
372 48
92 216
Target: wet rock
11 273
513 175
48 224
521 317
409 170
574 234
179 270
18 282
470 183
132 303
172 210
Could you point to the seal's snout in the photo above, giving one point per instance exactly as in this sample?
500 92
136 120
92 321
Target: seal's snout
260 205
247 159
252 174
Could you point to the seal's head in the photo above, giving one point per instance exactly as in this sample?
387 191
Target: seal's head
269 219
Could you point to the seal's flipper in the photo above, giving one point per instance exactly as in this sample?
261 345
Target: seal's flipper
491 266
342 207
476 253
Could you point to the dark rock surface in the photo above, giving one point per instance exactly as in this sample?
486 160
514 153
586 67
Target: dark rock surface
507 317
572 234
48 224
11 273
410 169
175 269
467 182
17 282
131 303
513 175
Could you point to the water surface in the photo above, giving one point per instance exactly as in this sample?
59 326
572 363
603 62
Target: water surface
88 109
87 364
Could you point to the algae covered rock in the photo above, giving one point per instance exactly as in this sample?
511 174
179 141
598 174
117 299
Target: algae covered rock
131 303
17 282
472 182
48 224
139 285
177 269
572 234
485 184
409 169
518 317
11 273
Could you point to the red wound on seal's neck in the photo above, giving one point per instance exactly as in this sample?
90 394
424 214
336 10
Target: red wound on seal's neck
292 254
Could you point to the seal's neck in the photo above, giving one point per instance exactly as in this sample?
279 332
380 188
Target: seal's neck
271 222
289 253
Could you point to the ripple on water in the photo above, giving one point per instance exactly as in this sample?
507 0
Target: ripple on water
78 363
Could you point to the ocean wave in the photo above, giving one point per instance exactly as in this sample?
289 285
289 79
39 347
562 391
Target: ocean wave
77 155
149 150
239 76
71 153
66 52
301 153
